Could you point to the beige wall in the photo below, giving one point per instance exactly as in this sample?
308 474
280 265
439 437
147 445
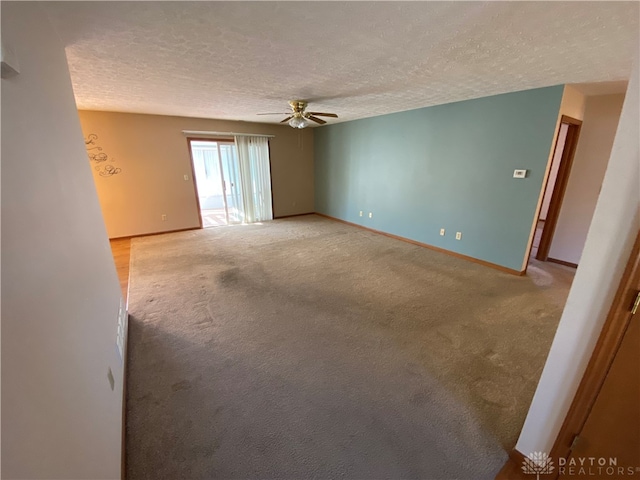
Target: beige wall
153 155
573 103
60 292
598 130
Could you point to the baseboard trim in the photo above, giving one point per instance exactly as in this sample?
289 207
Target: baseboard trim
430 247
562 262
294 215
155 233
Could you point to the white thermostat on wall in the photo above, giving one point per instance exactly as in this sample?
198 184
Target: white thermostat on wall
519 173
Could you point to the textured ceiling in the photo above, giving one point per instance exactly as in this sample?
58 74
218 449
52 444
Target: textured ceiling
231 60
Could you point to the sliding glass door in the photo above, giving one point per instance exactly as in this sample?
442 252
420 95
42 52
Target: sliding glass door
215 166
233 180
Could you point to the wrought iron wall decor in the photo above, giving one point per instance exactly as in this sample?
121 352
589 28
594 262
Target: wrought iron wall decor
97 156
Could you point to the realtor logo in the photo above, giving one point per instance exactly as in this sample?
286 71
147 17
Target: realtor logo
537 463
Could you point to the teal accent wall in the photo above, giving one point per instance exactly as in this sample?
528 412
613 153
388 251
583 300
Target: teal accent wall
448 166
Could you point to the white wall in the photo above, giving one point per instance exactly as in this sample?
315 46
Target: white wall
599 126
613 229
60 293
553 174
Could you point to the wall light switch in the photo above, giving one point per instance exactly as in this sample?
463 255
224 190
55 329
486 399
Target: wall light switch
442 232
370 215
458 235
519 173
186 177
360 212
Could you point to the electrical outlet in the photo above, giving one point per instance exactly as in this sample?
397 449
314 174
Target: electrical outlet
458 235
442 232
360 212
519 174
186 177
370 215
164 217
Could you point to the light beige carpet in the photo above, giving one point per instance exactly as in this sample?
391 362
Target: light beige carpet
305 348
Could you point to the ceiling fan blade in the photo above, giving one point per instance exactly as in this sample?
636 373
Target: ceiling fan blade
324 114
286 119
279 113
316 119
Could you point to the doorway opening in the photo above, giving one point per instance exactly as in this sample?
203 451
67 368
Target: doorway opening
217 180
564 151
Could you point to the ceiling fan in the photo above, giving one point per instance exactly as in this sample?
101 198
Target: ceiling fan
299 118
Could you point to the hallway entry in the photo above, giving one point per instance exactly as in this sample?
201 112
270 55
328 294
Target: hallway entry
564 151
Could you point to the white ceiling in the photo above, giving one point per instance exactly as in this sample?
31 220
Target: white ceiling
231 60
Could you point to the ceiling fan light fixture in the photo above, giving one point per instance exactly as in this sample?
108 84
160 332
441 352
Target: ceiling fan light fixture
299 117
298 122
